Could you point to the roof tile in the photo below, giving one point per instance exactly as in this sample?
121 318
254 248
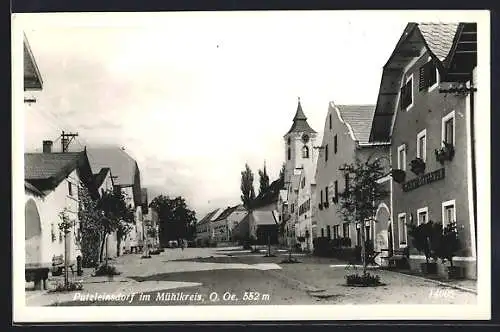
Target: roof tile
359 117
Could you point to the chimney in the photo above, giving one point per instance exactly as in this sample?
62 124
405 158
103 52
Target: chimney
47 146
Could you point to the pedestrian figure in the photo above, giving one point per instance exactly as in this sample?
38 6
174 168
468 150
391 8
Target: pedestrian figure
182 244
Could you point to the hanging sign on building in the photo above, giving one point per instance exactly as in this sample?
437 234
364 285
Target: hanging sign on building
423 180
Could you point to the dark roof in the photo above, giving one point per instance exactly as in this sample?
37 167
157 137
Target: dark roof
101 176
437 39
122 165
207 217
46 170
227 212
32 189
264 218
270 196
359 118
300 122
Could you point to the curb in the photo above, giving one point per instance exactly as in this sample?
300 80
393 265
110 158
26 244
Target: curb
441 283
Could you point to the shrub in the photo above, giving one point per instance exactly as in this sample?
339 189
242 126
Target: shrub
106 270
72 286
362 280
322 247
449 243
425 239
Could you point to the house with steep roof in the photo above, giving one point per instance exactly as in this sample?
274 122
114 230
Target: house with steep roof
425 109
221 226
260 225
52 184
204 229
126 177
345 140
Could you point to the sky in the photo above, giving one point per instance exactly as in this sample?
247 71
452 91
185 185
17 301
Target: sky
194 96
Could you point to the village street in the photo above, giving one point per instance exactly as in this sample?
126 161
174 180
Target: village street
229 276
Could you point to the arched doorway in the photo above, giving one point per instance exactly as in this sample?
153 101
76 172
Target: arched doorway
383 241
33 233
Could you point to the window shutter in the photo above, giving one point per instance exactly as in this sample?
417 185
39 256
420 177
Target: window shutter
423 80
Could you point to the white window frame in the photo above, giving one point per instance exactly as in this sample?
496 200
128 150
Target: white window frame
422 154
443 210
419 211
410 78
401 215
402 166
435 85
447 117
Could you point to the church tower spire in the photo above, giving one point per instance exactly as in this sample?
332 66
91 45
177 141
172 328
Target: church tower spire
300 121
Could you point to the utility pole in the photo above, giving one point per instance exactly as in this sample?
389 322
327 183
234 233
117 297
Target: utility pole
66 139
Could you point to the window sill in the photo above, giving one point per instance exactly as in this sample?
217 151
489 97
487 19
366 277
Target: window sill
403 245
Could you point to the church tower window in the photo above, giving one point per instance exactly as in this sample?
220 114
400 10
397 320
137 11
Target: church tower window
289 154
305 152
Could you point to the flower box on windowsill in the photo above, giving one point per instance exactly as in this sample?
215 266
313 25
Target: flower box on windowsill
417 166
320 206
326 205
398 175
447 152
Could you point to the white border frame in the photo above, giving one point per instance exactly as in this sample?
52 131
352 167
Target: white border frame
445 204
402 147
424 209
400 215
443 121
422 154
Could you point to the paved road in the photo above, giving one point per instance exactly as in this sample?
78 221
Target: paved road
208 276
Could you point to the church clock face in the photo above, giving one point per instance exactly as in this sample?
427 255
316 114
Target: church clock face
305 138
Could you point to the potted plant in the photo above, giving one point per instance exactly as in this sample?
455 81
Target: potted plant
398 175
417 166
424 238
448 247
446 152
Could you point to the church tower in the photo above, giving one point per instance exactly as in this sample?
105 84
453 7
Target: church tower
299 143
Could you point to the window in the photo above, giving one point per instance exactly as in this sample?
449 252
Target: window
335 144
288 141
429 76
292 208
330 121
368 233
70 188
321 195
358 234
305 152
289 154
402 157
422 145
336 189
449 212
448 128
336 231
345 230
326 194
402 229
328 232
422 216
322 232
326 153
407 94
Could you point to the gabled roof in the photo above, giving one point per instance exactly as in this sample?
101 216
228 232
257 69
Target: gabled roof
122 165
437 39
32 77
46 170
358 119
264 218
226 213
270 196
300 122
32 189
207 217
101 176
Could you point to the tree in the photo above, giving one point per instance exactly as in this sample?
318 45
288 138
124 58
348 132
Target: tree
247 189
91 229
263 181
116 216
65 226
176 220
281 177
359 202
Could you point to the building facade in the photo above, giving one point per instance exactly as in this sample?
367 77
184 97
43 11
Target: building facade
425 109
345 140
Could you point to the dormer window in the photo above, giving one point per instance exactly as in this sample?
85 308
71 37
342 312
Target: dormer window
305 152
